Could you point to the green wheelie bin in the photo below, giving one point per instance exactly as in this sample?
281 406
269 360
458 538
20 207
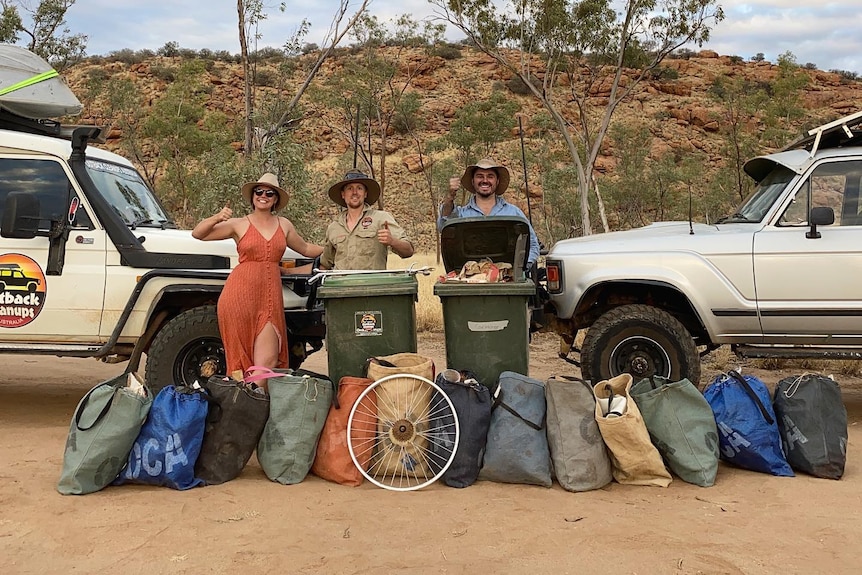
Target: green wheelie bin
367 315
486 324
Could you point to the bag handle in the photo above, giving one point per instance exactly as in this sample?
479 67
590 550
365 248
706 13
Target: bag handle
86 400
575 378
750 392
498 401
381 361
610 391
265 373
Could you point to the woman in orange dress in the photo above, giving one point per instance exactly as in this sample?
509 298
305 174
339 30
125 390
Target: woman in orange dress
251 307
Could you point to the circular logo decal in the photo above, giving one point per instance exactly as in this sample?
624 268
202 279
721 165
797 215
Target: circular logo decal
369 322
22 290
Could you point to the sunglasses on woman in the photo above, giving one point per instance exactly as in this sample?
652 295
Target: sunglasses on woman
264 192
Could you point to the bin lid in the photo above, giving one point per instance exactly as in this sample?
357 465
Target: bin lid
500 238
365 284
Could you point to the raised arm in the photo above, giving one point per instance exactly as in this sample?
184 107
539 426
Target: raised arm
447 207
217 227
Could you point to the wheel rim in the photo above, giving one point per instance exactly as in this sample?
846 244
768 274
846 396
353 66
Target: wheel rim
403 432
199 359
641 357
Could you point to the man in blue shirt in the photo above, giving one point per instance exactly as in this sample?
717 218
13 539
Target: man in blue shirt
486 180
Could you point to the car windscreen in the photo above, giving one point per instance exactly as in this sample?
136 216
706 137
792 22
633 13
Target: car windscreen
758 204
128 194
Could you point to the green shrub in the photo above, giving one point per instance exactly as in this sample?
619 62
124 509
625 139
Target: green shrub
166 73
266 77
126 56
517 86
446 51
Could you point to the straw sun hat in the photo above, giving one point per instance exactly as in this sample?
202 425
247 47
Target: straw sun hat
486 164
271 181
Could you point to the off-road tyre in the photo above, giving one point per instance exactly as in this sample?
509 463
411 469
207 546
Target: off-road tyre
641 340
187 348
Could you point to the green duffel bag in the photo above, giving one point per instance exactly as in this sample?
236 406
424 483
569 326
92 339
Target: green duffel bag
681 425
103 429
298 405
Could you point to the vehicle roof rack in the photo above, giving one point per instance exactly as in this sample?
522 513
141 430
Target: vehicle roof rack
45 127
836 134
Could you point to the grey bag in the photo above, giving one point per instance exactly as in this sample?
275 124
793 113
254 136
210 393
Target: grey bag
103 429
578 452
812 420
517 448
298 405
682 426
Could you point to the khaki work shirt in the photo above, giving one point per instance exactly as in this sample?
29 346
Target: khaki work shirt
358 249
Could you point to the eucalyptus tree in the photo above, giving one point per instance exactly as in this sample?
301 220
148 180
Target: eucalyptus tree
249 15
43 28
602 49
371 88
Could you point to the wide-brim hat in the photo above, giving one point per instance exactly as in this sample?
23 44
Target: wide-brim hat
371 186
486 164
271 181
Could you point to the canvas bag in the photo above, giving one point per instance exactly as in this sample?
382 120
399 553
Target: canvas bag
234 424
578 453
472 403
748 435
812 420
332 460
635 459
681 426
298 405
393 397
517 447
104 427
168 445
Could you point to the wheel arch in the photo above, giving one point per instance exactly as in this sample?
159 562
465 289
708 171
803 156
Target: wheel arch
171 301
604 296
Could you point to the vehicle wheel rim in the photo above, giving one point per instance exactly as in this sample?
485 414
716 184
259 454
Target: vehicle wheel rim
194 356
641 357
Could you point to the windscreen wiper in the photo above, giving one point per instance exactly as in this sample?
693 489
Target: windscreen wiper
140 221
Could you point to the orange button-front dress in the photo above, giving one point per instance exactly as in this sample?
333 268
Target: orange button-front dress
252 298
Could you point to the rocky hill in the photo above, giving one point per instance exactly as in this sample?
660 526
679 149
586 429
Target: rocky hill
679 112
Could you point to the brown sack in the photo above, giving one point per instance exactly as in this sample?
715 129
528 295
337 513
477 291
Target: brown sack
635 459
397 400
332 460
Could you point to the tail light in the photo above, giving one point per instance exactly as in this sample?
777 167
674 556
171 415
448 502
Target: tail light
554 272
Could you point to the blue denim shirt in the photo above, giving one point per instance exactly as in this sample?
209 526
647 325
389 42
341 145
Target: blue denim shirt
501 208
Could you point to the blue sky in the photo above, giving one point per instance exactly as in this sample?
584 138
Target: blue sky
826 34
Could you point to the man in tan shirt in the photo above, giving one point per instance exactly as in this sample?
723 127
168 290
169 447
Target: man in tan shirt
360 236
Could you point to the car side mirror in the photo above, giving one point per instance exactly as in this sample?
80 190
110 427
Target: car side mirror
822 216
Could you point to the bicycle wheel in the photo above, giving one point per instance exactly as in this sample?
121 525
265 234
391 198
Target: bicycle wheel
402 432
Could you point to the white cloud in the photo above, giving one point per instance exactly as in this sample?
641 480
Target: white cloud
825 34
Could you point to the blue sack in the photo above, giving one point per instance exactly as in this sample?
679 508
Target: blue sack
748 435
170 440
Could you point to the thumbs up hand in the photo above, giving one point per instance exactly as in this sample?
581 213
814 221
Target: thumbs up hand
384 236
225 214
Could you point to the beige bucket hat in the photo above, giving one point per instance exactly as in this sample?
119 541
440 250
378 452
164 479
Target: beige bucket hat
486 164
269 180
371 185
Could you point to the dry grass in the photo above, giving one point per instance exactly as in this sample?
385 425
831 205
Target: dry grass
723 359
429 311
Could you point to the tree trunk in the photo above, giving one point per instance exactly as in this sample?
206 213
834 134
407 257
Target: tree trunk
246 71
